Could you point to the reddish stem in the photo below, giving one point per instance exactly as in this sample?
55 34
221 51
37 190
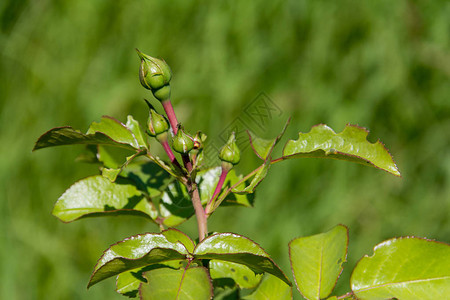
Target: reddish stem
170 114
170 154
219 186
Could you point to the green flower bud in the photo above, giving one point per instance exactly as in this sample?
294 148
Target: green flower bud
155 75
156 124
182 142
230 152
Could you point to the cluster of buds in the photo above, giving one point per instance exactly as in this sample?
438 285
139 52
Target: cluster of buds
155 75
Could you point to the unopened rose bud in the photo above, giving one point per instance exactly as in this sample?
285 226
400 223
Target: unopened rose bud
155 75
156 124
182 142
230 152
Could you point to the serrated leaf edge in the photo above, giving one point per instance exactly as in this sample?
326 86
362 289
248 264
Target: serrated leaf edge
346 154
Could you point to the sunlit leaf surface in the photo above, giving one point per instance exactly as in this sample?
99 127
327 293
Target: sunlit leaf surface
134 252
350 145
238 249
97 196
316 261
404 268
271 288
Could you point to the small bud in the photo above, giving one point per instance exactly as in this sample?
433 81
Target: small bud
182 142
155 75
156 124
230 152
199 140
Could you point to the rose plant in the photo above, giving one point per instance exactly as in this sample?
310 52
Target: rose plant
167 191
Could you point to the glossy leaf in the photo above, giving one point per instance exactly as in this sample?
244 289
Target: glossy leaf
404 268
134 252
263 147
61 136
115 130
135 128
351 145
241 274
257 178
165 283
271 288
238 249
97 196
316 261
127 283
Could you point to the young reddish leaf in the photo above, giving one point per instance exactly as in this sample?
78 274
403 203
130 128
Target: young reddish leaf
98 196
404 268
316 261
166 283
350 145
134 252
238 249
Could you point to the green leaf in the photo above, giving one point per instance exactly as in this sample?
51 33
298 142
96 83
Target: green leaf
61 136
127 283
350 145
134 252
257 178
316 261
134 127
192 283
263 148
238 249
241 274
115 130
404 268
98 196
271 288
173 235
207 181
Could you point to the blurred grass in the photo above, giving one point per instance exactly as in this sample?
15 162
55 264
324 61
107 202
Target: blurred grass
381 64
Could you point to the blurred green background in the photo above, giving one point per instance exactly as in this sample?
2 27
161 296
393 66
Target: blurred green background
384 65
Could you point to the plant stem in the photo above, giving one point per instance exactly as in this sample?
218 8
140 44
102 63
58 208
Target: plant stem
199 211
170 154
192 187
349 294
219 186
167 104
